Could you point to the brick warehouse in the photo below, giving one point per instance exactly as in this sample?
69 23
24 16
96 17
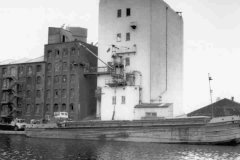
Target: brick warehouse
32 89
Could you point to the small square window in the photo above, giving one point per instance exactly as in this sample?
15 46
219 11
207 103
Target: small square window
128 12
119 13
119 37
127 36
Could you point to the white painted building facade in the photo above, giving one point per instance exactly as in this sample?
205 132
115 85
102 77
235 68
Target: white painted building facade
148 35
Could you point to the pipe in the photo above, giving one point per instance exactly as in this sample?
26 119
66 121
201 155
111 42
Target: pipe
140 92
94 55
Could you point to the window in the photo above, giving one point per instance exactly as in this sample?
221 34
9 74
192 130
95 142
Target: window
73 51
20 69
127 36
56 93
28 94
4 71
114 99
65 52
38 94
29 69
29 80
151 114
39 68
4 85
64 79
64 108
119 13
57 66
72 78
49 54
123 99
55 109
57 53
127 61
49 67
48 94
56 79
38 80
64 93
72 93
65 66
71 107
48 80
47 108
12 71
128 12
28 109
4 96
119 37
37 109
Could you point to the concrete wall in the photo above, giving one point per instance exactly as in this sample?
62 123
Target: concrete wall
122 111
166 55
159 55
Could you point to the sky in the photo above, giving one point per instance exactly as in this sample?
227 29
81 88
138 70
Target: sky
211 39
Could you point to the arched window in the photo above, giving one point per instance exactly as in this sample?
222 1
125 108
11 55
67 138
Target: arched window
73 51
49 54
13 71
49 67
39 68
56 93
29 80
38 94
72 78
37 109
38 80
47 109
55 108
57 66
4 71
65 52
29 69
48 94
64 79
64 108
71 107
56 79
48 80
72 93
20 70
64 93
28 109
65 66
4 83
28 94
57 53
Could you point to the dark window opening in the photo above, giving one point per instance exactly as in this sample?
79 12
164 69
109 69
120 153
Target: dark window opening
57 53
127 61
71 107
39 68
49 54
38 94
38 80
56 93
55 109
64 108
119 13
63 38
119 37
4 71
28 94
127 36
128 12
73 51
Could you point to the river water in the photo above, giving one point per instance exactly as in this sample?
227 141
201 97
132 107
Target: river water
14 147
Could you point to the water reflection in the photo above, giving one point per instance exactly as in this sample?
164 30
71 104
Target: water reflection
20 147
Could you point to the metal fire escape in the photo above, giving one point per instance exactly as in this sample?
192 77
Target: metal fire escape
12 95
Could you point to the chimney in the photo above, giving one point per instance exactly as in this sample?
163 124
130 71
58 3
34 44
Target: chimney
232 98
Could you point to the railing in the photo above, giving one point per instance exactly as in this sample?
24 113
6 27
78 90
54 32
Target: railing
115 82
97 70
118 61
127 50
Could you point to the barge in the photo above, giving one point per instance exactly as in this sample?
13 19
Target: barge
190 130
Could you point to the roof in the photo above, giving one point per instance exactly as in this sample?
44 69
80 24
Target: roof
24 60
152 105
224 107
